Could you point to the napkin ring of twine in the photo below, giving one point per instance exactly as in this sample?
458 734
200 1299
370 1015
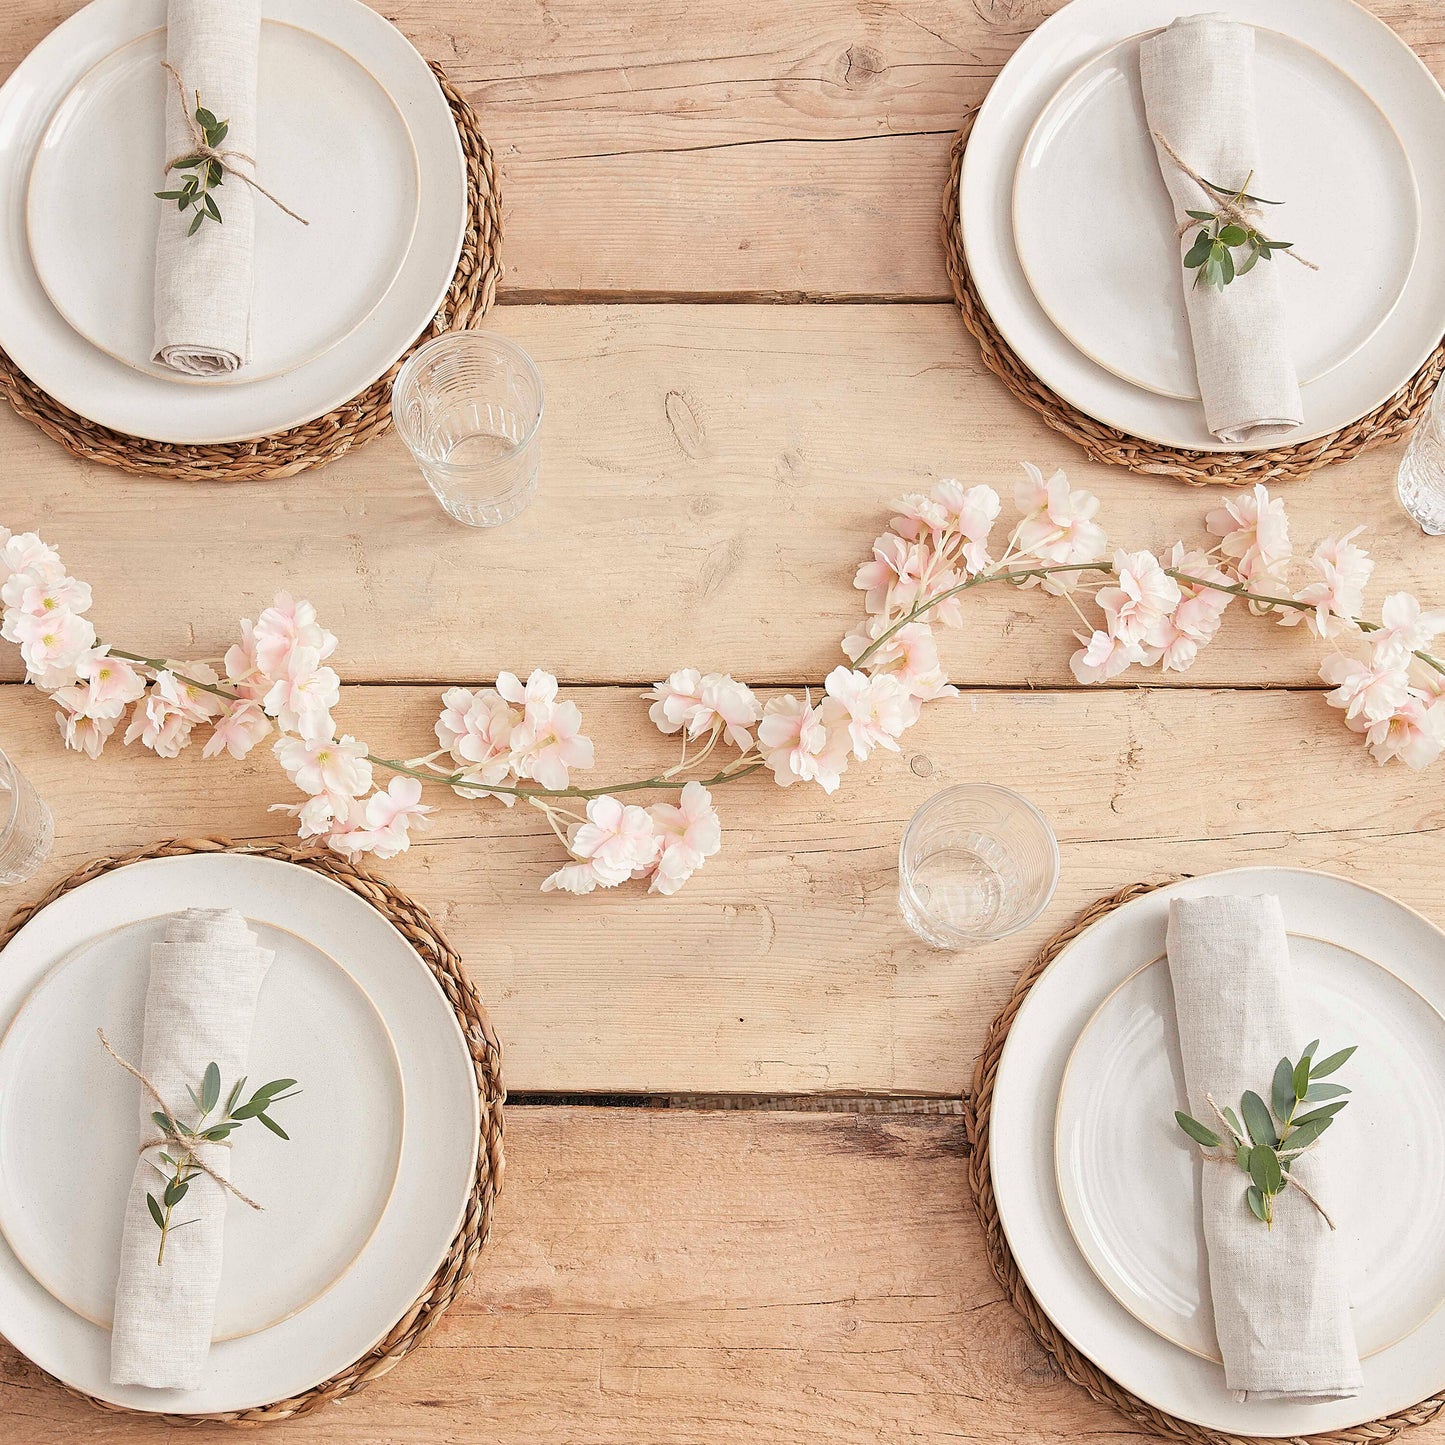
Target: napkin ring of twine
1235 211
174 1136
199 150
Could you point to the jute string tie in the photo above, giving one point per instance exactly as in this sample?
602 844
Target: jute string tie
1235 210
199 150
177 1138
1293 1154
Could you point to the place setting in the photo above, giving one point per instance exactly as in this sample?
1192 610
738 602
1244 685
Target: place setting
1175 291
286 198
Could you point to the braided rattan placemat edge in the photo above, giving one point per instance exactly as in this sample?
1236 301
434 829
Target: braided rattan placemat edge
1392 420
978 1110
415 924
322 440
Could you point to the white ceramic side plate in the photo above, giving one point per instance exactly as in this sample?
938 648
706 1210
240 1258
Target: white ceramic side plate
313 1023
1129 1180
439 1146
332 145
1117 290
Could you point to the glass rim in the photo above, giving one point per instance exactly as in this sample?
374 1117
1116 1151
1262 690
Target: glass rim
469 337
952 794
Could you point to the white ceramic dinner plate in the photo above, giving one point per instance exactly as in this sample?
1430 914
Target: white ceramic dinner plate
59 359
1116 290
313 1023
1027 1094
1128 1178
1346 36
332 145
438 1149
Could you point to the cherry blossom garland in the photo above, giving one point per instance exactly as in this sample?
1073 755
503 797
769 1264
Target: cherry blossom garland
520 740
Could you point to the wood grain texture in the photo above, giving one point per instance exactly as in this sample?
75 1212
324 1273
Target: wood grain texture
783 966
711 479
661 1277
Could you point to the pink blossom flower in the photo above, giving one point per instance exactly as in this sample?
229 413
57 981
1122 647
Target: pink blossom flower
689 832
1103 656
25 552
337 766
971 513
109 684
574 878
734 707
1338 592
1058 526
382 824
282 628
1253 529
40 590
1414 732
1142 600
476 729
1373 691
85 732
303 693
891 578
915 663
548 742
318 815
242 670
715 703
879 708
164 718
1195 621
237 730
1405 628
51 644
617 839
677 703
800 742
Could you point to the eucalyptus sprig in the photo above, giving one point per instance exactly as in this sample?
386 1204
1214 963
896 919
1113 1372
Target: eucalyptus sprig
1225 229
206 173
181 1167
1268 1141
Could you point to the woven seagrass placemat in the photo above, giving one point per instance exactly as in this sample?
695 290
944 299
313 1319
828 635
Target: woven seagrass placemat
978 1109
351 425
415 924
1389 421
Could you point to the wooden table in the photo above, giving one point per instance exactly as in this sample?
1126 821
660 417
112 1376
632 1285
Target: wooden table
735 1204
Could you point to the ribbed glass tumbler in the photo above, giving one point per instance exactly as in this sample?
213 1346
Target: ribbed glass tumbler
977 862
26 829
468 405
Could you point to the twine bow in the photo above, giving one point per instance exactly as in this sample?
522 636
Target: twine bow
1236 210
199 150
1240 1140
173 1135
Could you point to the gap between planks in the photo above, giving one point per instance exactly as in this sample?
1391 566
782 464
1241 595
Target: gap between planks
947 1105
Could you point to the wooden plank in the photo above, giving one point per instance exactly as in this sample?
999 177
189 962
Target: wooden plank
712 476
783 967
757 149
661 1277
667 1277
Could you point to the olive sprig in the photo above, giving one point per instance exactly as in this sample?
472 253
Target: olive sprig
180 1166
1266 1142
206 173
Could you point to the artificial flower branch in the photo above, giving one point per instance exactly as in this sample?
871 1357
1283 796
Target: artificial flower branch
521 740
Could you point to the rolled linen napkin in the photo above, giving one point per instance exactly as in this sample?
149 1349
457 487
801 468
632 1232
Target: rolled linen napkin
203 282
200 1005
1198 81
1281 1310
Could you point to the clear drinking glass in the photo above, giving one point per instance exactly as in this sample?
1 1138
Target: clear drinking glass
468 404
26 828
976 862
1421 479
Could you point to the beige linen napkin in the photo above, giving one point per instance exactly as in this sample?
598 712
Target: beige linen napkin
203 282
200 1006
1280 1305
1198 80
